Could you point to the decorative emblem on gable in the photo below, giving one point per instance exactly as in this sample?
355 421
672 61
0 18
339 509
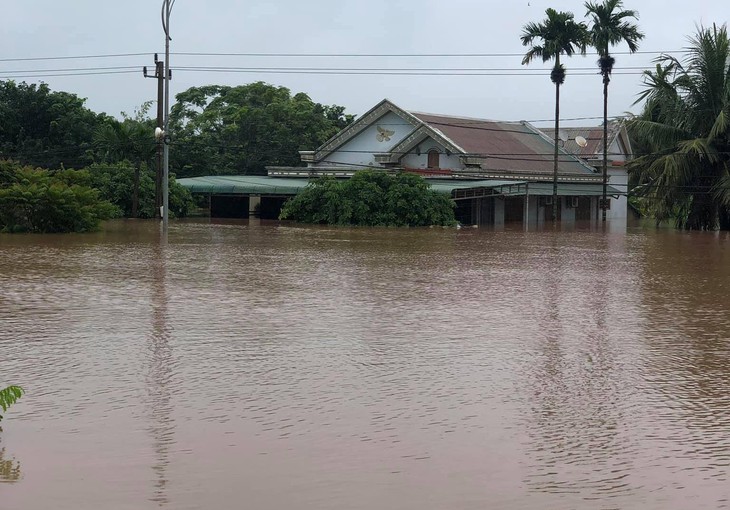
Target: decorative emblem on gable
383 134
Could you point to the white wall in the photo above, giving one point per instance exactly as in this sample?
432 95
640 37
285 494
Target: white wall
619 179
616 152
360 150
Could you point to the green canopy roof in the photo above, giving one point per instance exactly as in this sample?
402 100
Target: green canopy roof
264 185
244 185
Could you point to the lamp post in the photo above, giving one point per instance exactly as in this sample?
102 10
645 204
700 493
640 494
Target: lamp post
166 10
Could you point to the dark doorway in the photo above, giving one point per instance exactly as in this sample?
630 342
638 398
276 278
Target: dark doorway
224 206
464 212
583 211
514 209
271 207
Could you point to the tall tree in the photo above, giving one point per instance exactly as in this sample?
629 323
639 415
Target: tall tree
559 34
685 126
609 26
241 130
131 140
43 128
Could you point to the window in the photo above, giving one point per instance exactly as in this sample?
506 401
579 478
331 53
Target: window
433 158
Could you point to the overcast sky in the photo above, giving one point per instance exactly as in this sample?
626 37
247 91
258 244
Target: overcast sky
51 28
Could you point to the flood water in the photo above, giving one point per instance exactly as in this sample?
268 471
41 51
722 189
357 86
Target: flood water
273 366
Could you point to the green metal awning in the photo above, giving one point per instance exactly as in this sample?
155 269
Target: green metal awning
564 189
244 185
264 185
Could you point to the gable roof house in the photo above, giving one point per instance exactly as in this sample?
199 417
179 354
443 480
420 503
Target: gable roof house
496 172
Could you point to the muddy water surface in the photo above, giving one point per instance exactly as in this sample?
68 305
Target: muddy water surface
269 367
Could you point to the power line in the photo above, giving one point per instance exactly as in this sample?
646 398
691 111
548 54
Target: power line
516 72
393 55
69 69
594 70
75 57
8 77
306 55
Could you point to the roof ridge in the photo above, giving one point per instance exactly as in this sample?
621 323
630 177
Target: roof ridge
461 117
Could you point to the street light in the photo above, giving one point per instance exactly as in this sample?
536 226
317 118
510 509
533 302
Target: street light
164 134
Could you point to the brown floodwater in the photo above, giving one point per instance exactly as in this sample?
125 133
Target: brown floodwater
274 366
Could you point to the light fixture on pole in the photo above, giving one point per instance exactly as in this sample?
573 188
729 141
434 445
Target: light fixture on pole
166 10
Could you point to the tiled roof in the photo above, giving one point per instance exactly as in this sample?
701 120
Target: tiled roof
504 146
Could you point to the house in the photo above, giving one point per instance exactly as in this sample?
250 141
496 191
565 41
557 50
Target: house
496 172
590 150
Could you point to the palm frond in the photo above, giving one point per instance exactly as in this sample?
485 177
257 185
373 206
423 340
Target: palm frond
9 396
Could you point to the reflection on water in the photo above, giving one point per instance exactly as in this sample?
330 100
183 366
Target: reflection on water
298 367
160 373
9 468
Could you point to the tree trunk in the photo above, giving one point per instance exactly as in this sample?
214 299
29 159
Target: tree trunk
135 191
606 80
724 218
703 213
555 156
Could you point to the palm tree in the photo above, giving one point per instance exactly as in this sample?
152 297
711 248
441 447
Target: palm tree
685 126
609 27
559 34
131 140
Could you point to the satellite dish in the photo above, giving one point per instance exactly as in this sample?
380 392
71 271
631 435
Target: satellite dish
582 142
563 136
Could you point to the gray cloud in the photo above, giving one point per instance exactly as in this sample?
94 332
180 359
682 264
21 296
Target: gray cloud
37 28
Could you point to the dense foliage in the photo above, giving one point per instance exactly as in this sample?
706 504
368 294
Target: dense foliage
9 396
45 129
371 198
116 183
131 140
36 200
684 133
214 129
241 130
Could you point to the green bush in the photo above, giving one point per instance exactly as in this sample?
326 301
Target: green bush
36 200
116 184
371 198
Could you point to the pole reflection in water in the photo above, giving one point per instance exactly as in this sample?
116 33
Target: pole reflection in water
581 401
160 373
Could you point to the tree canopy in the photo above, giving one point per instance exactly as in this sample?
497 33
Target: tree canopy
37 200
240 130
685 130
371 198
39 127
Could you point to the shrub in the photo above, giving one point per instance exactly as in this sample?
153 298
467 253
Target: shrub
36 200
371 198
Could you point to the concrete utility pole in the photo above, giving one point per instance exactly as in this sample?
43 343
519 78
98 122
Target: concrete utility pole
160 77
166 10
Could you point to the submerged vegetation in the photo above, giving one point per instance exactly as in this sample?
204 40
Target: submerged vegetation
36 200
51 201
371 198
